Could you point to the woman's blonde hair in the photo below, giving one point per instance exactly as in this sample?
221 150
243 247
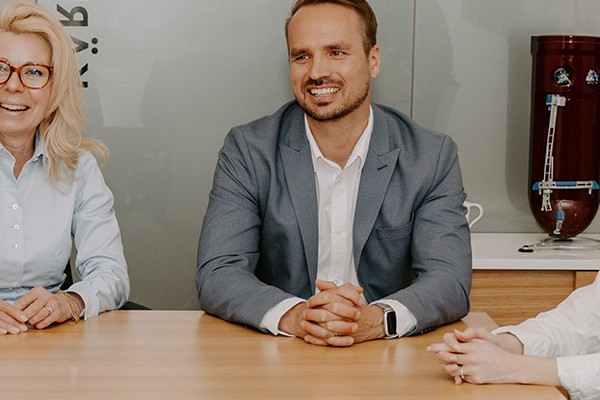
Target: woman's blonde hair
67 113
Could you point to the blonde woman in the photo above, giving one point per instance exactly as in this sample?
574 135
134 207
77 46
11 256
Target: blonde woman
53 194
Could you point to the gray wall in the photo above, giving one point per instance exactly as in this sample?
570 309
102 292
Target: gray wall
473 81
168 79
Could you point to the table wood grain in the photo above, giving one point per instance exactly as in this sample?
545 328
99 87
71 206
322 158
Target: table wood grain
192 355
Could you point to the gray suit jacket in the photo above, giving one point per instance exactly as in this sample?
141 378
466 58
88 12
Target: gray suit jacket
259 239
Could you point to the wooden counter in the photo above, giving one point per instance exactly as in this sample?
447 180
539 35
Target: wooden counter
512 286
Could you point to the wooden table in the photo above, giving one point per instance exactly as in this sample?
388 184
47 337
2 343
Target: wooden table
172 355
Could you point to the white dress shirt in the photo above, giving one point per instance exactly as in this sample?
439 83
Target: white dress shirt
39 224
337 191
571 333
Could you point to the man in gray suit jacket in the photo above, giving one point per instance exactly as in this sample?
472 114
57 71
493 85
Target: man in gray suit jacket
335 220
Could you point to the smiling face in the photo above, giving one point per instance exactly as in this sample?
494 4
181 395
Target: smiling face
329 70
22 109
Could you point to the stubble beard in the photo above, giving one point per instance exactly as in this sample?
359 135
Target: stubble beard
318 111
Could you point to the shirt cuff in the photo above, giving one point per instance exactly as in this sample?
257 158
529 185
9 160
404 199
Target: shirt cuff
91 305
534 343
405 320
270 321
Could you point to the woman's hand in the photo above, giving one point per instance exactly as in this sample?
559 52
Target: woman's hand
478 356
43 308
12 319
475 357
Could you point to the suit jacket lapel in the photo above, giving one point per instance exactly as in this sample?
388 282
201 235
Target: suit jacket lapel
298 169
375 177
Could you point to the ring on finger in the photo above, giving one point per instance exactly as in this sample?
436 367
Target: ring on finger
462 376
50 310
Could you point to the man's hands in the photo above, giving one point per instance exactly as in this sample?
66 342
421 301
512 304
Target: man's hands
38 308
336 316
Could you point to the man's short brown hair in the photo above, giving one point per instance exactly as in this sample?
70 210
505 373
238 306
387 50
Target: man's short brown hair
361 7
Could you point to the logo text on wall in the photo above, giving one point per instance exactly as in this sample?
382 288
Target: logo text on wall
73 19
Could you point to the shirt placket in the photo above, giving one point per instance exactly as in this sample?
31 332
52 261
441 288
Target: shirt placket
12 223
339 228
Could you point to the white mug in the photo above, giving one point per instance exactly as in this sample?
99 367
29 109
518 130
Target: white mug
469 206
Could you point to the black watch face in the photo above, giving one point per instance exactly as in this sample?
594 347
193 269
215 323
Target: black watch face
391 323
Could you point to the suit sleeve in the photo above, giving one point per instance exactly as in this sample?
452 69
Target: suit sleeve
440 248
228 250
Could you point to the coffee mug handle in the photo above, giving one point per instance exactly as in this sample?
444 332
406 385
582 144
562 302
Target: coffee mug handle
470 205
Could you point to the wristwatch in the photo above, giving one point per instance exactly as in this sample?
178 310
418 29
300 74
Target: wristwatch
389 321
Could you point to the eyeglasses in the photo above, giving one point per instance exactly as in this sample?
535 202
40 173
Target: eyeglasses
33 76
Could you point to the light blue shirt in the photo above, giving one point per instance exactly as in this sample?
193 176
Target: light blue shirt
39 223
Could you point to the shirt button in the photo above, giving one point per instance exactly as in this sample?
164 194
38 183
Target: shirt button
15 284
16 227
15 206
18 267
17 246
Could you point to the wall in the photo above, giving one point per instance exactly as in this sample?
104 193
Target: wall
165 83
167 80
473 81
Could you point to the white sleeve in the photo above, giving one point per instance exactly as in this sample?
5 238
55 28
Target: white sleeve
570 333
580 375
270 321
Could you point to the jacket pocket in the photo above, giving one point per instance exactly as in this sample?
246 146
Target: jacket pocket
395 233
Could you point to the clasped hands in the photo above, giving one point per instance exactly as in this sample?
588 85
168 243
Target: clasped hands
478 356
336 316
38 308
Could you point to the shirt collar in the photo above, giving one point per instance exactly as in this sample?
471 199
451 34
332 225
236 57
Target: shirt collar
39 146
360 149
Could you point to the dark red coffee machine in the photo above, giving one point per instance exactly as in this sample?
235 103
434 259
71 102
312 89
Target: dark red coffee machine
565 133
